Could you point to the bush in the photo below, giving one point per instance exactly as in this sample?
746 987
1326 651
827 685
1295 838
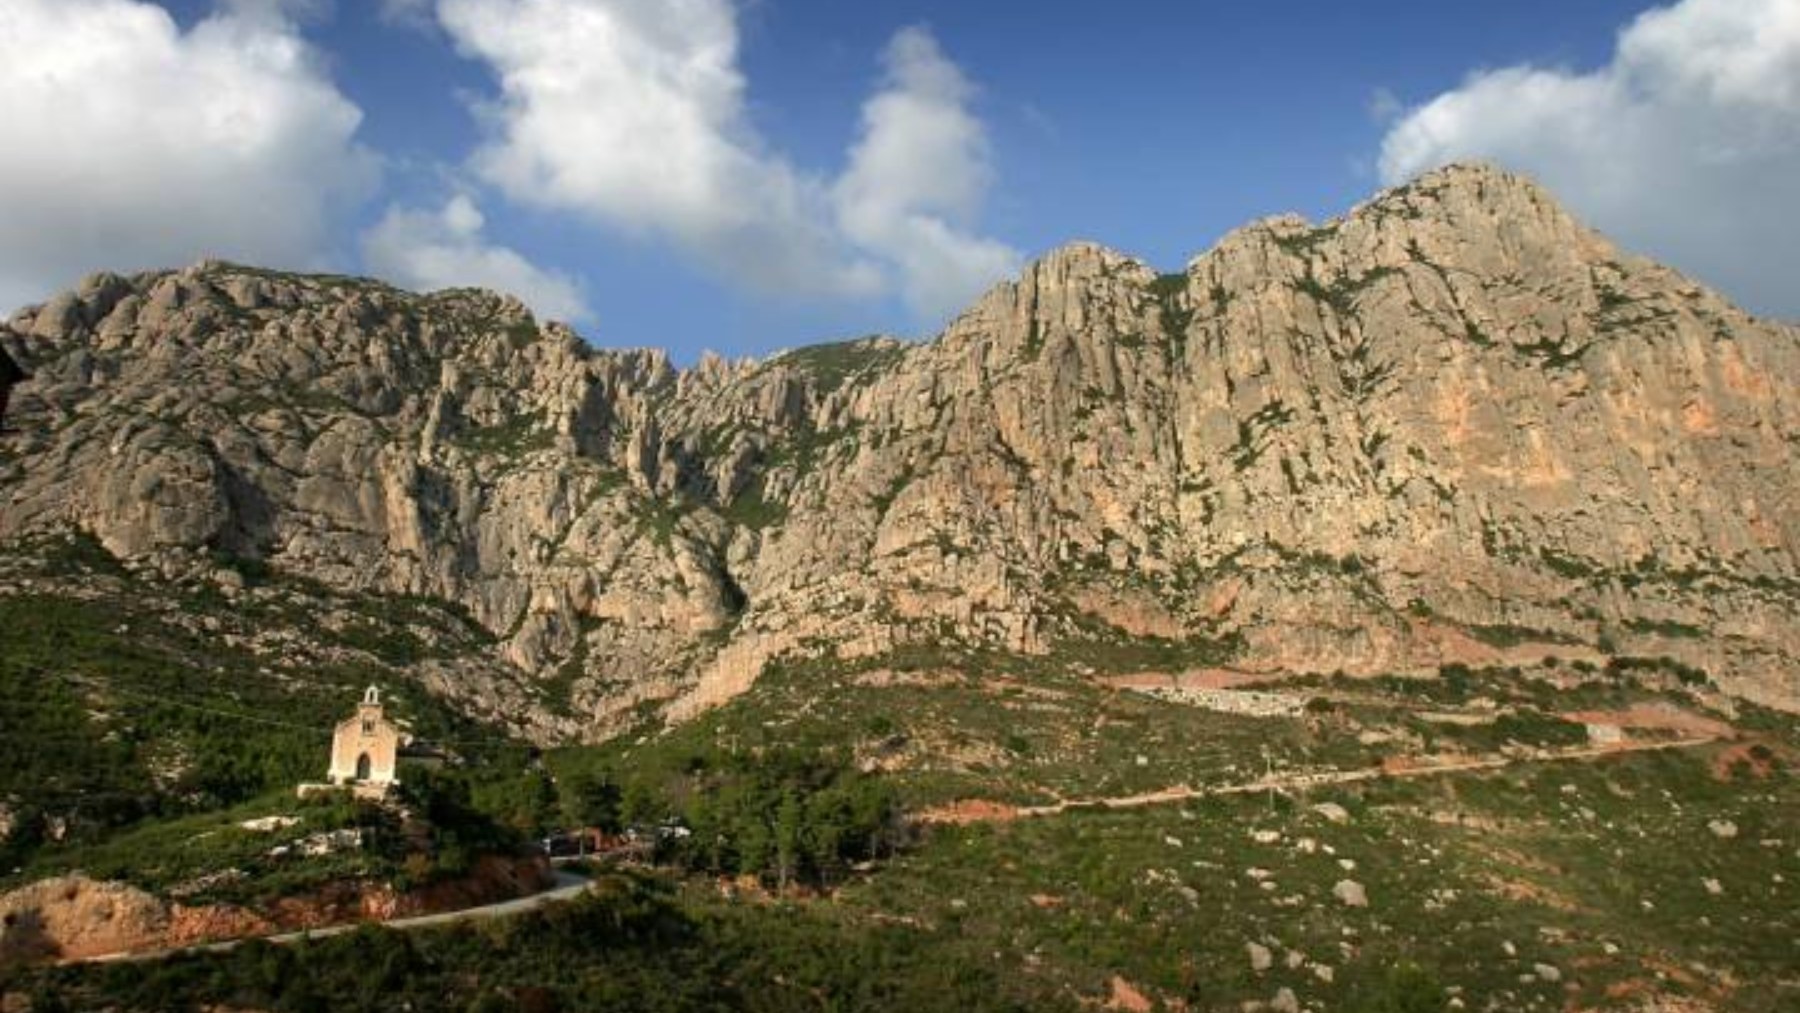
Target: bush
460 831
1406 988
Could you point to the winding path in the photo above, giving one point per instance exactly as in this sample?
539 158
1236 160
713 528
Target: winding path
566 885
978 811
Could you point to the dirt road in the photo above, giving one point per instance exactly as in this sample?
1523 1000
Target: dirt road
979 811
566 886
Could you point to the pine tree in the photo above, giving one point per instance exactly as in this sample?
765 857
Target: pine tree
790 828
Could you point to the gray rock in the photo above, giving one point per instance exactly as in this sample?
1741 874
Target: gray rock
1333 812
1350 893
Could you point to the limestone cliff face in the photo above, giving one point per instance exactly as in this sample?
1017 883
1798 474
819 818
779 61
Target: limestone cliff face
1454 425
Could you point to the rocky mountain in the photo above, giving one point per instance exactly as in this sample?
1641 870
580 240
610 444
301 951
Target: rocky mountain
1452 426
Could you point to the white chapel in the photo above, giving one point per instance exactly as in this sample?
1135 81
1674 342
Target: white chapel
365 747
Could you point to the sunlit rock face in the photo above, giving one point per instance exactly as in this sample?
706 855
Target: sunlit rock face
1453 426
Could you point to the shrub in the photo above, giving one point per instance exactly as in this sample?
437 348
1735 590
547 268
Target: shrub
1406 988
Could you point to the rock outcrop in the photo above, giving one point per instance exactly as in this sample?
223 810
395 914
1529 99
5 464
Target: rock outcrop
73 917
1454 425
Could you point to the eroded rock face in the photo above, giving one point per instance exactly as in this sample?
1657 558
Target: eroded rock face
1452 426
67 917
74 917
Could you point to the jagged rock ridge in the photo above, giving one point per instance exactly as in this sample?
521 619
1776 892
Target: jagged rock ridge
1453 425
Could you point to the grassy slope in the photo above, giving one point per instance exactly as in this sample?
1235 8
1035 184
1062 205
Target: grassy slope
991 726
126 706
1165 896
1042 914
1557 858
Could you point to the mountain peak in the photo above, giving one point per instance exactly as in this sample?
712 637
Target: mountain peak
1080 257
1460 190
1477 181
1475 172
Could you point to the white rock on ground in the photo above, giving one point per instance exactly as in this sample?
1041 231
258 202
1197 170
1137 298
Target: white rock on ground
1351 893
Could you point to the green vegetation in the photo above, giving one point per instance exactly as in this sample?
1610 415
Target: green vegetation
948 723
1597 871
885 499
659 518
1476 335
1301 242
1349 565
1685 674
1167 286
103 727
1524 728
277 846
785 815
1168 290
1565 565
1254 433
1034 337
751 507
1108 650
803 451
830 366
1509 635
515 437
1665 628
1649 570
132 707
790 879
636 944
1553 353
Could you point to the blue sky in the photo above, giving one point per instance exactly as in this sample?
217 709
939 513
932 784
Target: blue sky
910 152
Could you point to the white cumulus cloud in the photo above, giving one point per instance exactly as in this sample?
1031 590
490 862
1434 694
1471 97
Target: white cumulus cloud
633 114
429 250
917 178
1686 145
131 143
